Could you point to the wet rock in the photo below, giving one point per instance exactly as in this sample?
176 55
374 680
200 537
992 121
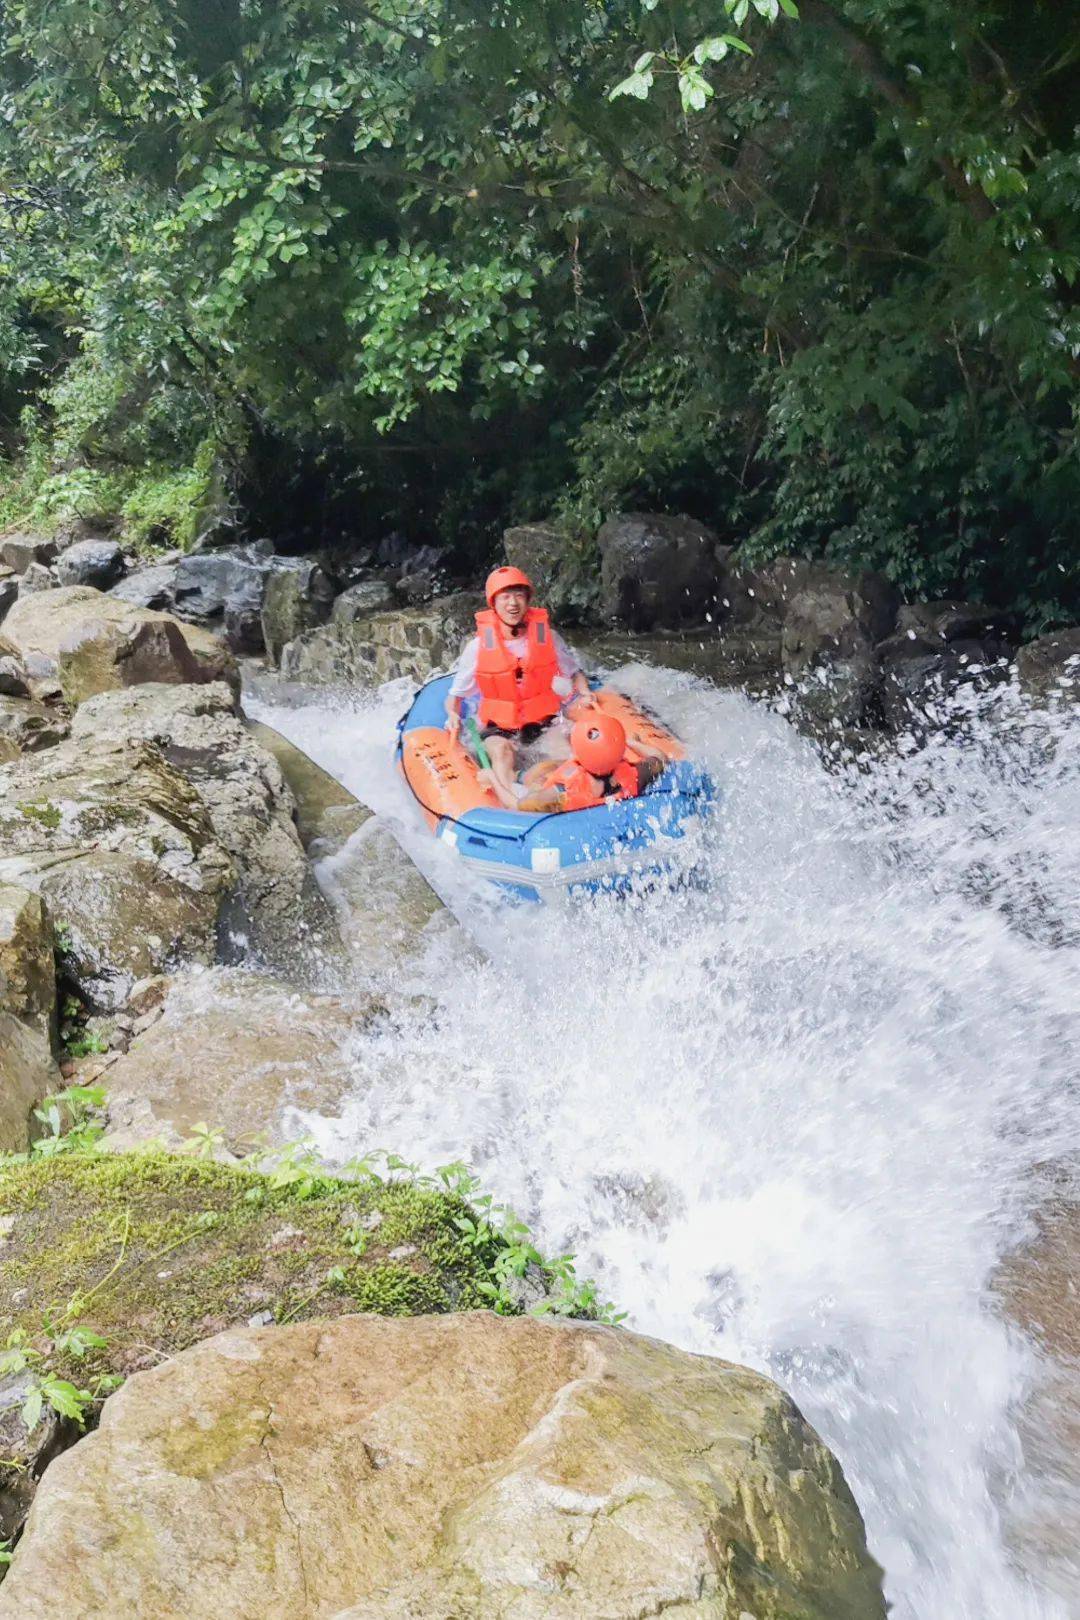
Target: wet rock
299 595
276 904
150 587
1049 668
413 642
956 621
97 643
9 594
91 562
20 551
327 814
27 1074
504 1466
832 624
920 675
264 1047
658 571
387 911
122 851
27 964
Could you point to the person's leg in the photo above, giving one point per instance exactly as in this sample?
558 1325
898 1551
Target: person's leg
503 756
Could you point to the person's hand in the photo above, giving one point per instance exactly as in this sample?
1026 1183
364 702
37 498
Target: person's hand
453 726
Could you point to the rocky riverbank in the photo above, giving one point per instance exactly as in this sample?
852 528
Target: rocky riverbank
177 972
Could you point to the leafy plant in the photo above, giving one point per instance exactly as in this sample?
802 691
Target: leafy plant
69 1125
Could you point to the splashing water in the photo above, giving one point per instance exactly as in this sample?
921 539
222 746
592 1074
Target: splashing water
798 1120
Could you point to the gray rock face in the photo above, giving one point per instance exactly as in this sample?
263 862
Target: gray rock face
27 966
298 596
276 904
208 582
91 562
27 726
658 571
919 673
1049 668
148 587
36 579
27 1074
14 677
832 624
956 621
413 642
9 594
122 851
360 601
18 551
540 552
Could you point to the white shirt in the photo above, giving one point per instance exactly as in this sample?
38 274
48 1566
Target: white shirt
465 685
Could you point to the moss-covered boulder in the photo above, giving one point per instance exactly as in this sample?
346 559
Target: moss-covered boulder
448 1467
159 1250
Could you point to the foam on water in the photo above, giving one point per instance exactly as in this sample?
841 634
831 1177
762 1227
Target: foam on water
797 1120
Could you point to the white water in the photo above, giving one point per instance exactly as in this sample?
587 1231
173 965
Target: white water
798 1120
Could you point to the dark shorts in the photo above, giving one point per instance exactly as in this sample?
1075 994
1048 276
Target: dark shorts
526 736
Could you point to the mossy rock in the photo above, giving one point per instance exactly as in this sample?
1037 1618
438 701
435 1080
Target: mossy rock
158 1251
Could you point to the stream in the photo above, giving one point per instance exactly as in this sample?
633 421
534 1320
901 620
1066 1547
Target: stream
800 1119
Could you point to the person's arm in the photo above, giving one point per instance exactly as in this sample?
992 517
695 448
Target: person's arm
462 686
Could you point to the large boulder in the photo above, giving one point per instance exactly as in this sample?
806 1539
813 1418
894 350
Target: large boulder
276 907
91 562
263 1048
27 964
952 621
832 624
206 582
444 1466
98 643
541 552
122 851
27 1074
659 571
14 676
149 587
19 551
1049 668
299 595
413 642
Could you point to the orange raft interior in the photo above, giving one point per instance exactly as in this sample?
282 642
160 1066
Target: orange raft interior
442 773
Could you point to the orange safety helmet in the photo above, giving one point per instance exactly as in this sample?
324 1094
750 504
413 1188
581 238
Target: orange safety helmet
504 579
598 742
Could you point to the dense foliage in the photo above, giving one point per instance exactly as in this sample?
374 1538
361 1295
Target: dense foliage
810 275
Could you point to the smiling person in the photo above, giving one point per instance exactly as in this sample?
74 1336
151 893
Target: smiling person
520 669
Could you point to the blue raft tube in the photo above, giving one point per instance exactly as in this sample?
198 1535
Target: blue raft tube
548 857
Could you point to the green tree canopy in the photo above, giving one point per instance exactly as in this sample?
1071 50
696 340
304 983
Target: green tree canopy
810 274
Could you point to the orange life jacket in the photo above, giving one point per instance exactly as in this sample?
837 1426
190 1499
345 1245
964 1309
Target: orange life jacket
577 784
516 692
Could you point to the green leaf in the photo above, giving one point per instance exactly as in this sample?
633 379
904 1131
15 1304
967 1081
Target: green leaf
711 50
637 85
31 1408
694 89
790 9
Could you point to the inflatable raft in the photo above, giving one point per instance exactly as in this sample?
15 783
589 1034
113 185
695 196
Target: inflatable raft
540 857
